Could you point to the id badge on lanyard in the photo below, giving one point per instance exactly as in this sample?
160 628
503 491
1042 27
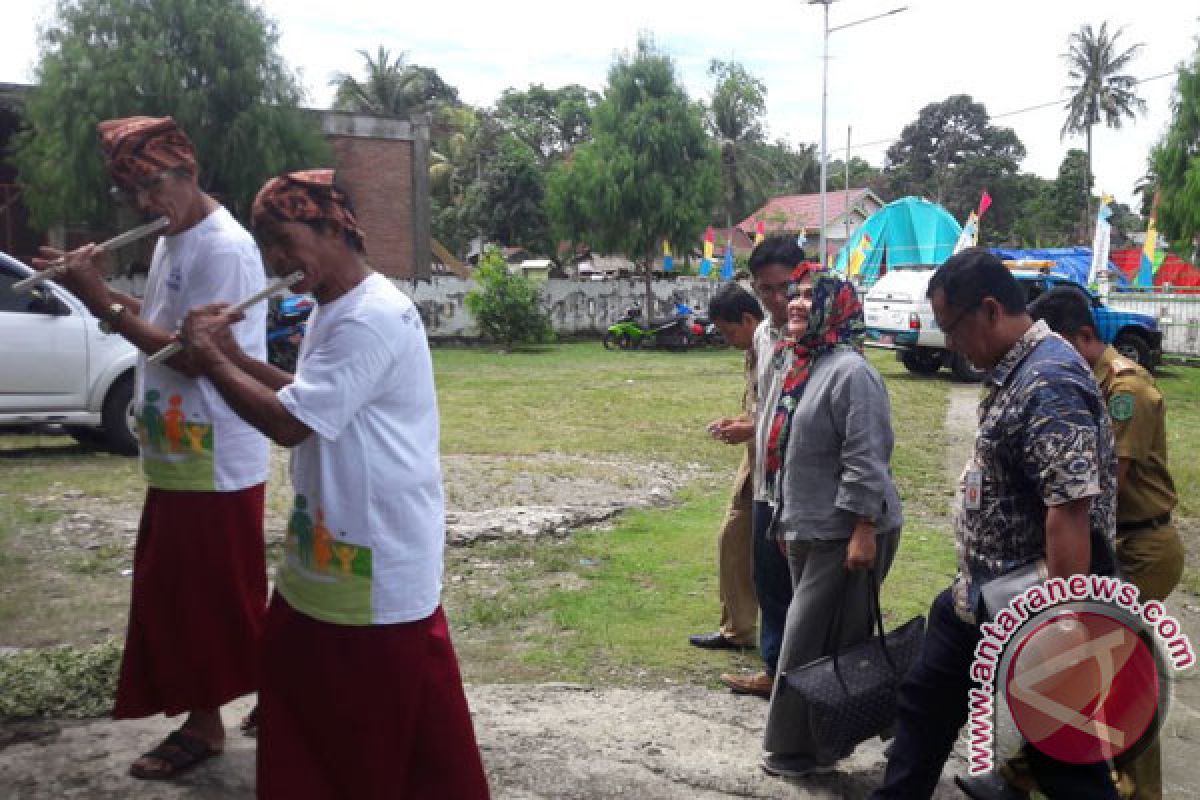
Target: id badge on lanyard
973 488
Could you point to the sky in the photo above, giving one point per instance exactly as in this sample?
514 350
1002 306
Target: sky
1005 54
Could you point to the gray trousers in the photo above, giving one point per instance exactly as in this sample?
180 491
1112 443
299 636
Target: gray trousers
820 582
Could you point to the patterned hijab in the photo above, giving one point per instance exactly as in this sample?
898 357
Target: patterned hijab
137 148
310 197
835 323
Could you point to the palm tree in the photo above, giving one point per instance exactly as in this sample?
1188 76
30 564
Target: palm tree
734 117
1100 91
392 87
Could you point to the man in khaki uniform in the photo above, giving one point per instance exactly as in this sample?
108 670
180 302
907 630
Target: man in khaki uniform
1149 550
737 315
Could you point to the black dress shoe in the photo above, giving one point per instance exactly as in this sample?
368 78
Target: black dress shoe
989 786
716 641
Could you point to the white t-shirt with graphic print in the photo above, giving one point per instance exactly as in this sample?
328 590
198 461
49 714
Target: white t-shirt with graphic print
190 439
367 530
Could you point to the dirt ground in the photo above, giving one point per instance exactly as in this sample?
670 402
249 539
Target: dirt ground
537 740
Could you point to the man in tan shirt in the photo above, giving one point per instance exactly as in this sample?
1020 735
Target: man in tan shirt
1149 549
737 315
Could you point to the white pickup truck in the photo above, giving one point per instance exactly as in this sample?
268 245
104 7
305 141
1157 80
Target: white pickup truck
58 367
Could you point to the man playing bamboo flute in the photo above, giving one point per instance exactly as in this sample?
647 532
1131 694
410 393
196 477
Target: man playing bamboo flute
361 694
199 574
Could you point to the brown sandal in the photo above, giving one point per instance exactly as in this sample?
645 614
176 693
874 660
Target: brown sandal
178 753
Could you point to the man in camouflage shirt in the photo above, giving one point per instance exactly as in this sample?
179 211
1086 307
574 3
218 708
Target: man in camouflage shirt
1040 485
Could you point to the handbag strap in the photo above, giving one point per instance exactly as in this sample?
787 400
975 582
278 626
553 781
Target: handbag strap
877 628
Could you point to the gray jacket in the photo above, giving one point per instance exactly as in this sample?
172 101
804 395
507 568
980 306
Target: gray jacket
837 464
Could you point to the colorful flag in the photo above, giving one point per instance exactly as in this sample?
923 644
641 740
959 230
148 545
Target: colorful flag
970 233
859 256
727 264
668 262
985 202
760 232
1098 273
706 262
1146 269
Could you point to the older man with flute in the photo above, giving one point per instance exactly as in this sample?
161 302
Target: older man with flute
199 573
361 694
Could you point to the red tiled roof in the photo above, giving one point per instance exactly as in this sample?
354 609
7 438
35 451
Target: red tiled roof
793 213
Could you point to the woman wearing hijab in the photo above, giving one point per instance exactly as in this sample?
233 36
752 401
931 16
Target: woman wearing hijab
837 511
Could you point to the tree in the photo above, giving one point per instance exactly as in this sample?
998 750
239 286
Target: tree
507 307
551 121
1100 92
650 173
951 153
734 117
1071 194
861 174
392 88
789 169
1176 162
211 64
505 204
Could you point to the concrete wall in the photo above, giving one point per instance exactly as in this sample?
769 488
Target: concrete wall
575 307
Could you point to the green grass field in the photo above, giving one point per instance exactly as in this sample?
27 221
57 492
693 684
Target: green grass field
604 606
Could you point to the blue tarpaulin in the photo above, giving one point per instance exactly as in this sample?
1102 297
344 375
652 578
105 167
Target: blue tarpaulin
909 232
1073 262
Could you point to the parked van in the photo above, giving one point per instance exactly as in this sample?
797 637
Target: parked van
899 317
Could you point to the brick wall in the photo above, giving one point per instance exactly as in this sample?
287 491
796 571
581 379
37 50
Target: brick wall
383 163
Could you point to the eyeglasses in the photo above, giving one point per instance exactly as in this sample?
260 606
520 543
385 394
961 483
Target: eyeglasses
948 330
771 288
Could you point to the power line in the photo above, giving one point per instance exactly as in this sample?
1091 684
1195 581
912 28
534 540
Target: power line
1025 110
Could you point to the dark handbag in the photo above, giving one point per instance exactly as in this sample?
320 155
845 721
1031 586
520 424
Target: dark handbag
851 695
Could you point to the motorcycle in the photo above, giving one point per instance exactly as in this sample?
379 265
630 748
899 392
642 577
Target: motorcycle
679 333
287 319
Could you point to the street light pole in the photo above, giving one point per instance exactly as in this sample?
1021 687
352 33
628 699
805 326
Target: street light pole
824 106
825 103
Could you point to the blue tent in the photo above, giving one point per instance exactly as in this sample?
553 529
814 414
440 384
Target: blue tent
1073 262
906 233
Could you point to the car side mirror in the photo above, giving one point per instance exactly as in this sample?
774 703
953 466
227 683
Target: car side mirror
44 301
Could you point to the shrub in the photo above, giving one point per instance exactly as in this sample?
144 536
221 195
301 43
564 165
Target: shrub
507 307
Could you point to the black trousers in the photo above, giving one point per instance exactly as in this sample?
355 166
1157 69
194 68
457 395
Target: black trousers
933 708
773 585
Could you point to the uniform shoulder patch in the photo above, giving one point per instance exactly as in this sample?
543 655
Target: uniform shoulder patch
1123 366
1120 406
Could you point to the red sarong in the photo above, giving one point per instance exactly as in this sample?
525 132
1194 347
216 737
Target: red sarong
363 711
199 600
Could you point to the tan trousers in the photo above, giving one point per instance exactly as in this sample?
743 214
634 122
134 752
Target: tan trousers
735 566
1152 560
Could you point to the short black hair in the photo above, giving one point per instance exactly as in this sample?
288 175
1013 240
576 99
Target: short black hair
782 250
974 274
731 302
1066 309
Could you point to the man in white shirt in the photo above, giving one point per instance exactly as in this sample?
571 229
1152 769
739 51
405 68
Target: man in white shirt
199 574
361 694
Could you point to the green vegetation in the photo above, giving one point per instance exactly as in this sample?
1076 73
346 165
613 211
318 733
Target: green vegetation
507 306
60 681
610 605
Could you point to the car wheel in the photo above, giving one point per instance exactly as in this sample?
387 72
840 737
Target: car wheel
120 425
921 362
964 370
1135 348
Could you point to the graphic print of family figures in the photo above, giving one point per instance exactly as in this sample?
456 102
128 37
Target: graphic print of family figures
316 547
171 427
